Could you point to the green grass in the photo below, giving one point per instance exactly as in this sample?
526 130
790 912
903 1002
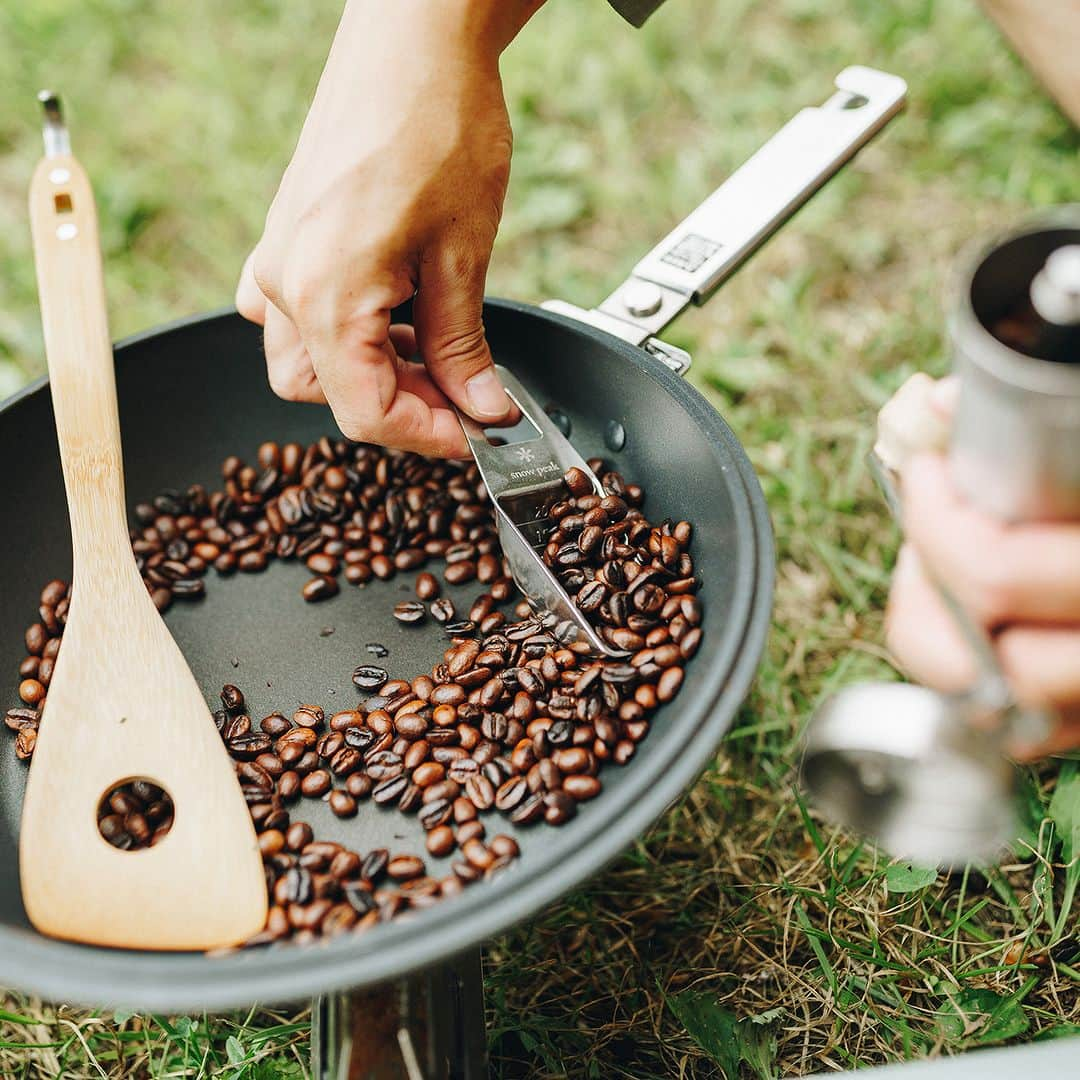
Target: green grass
742 933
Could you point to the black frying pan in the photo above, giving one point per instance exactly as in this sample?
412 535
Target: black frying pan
192 393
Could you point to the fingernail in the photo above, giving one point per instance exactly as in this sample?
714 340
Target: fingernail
487 398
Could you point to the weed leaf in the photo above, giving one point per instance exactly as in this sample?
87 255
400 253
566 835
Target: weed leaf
904 877
1065 809
978 1017
725 1038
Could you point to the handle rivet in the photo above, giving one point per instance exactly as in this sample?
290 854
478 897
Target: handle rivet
67 231
642 299
60 176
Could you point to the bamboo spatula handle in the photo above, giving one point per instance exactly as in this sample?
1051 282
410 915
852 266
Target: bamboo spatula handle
72 296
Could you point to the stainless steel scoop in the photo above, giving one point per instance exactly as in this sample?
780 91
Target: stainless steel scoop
524 478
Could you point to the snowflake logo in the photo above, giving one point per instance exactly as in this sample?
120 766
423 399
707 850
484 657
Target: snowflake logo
525 455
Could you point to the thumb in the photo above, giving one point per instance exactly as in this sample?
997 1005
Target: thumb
448 316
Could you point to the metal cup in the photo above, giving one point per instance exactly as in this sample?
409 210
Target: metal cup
1015 449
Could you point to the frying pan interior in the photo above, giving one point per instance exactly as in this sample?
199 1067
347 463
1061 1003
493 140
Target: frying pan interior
196 392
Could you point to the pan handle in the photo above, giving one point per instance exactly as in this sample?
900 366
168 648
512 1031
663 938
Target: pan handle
707 247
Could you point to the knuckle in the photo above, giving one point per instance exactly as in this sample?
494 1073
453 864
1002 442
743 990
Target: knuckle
461 347
264 270
287 384
300 293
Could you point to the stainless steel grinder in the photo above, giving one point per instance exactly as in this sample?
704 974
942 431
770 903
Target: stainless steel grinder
927 774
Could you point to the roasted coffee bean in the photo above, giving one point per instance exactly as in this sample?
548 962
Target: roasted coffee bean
309 716
25 741
435 813
17 719
457 573
274 725
431 772
374 864
298 836
320 588
503 846
390 790
427 586
409 611
582 787
232 699
510 793
346 719
359 896
249 745
442 610
342 803
571 760
405 867
384 765
316 783
345 761
528 811
369 677
440 841
669 683
359 785
578 482
688 646
360 738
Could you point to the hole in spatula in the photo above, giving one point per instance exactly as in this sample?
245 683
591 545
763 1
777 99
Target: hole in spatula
135 814
523 431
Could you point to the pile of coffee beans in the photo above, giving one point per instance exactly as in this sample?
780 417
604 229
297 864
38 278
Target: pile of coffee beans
510 721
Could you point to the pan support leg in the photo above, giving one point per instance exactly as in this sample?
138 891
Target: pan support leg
429 1026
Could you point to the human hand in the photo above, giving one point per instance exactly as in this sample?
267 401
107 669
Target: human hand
1020 583
395 189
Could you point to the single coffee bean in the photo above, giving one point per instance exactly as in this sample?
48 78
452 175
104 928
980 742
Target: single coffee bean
578 481
309 716
390 790
469 831
410 611
440 841
342 803
458 573
582 787
320 588
529 810
442 610
316 783
427 586
405 867
369 677
511 793
669 683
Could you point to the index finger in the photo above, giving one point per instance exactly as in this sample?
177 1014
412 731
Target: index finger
367 386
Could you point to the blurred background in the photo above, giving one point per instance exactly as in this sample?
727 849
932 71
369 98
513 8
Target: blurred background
741 937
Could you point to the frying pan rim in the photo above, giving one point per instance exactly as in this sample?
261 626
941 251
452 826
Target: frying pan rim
116 978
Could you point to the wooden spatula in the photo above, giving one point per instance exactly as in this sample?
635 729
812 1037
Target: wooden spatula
122 703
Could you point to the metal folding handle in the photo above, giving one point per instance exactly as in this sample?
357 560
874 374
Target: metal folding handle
707 247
